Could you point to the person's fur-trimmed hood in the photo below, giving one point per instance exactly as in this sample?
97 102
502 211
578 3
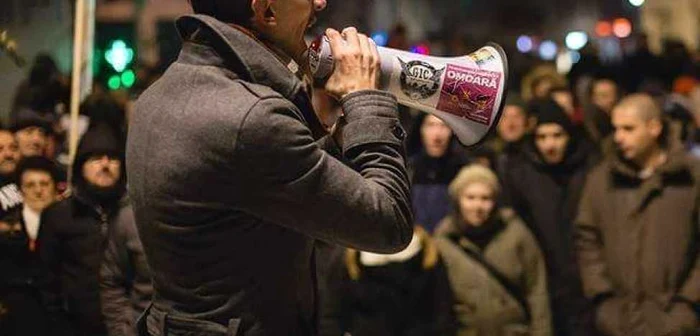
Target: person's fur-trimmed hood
427 247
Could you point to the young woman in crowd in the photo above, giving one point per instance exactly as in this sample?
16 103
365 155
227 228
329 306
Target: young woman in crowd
494 264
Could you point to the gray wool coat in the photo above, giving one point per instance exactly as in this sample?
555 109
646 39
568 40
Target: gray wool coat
231 184
125 280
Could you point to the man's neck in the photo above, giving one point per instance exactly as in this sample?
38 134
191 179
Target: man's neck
651 162
294 61
31 209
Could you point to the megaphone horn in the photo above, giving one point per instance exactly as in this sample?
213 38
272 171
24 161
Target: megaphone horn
467 93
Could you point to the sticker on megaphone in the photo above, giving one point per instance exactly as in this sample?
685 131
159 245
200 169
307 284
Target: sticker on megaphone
467 92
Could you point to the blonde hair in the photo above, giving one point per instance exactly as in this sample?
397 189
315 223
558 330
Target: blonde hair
539 73
473 174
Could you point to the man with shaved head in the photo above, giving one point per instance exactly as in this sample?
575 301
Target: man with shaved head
638 132
637 230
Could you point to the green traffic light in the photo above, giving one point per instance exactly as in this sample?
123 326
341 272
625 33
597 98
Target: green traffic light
119 55
114 82
128 78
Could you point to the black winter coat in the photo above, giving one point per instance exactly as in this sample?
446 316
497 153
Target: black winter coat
410 298
22 278
72 243
546 197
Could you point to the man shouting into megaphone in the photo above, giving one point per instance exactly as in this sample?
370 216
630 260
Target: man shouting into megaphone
233 177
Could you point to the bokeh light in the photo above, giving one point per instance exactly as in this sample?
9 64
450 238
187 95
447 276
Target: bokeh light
603 29
524 44
422 49
548 50
114 82
575 56
380 38
564 62
576 40
128 78
622 28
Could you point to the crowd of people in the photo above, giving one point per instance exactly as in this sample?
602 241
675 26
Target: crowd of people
72 262
579 216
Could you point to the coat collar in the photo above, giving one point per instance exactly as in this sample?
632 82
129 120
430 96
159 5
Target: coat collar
257 62
676 170
676 163
240 52
577 155
85 204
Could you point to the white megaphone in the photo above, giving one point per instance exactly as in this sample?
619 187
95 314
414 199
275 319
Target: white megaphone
467 93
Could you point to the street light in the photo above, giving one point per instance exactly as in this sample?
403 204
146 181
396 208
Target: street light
548 50
637 3
524 44
622 28
576 40
603 29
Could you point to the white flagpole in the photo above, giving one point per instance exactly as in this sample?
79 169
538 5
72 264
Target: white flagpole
84 23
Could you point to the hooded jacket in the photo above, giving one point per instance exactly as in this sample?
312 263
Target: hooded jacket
546 196
74 235
407 294
637 245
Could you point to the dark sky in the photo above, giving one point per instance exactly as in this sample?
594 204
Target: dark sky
501 17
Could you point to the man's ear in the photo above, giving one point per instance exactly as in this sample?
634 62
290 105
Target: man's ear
263 14
656 127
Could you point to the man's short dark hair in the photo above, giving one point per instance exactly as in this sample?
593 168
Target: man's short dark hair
37 163
230 11
609 79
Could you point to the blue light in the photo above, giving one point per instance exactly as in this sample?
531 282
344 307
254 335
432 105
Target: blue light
524 44
380 38
422 49
548 50
575 56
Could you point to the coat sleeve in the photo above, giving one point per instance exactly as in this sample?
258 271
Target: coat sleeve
536 287
589 244
365 206
50 252
114 280
690 290
329 145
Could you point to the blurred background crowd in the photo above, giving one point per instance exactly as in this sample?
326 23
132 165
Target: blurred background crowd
577 216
